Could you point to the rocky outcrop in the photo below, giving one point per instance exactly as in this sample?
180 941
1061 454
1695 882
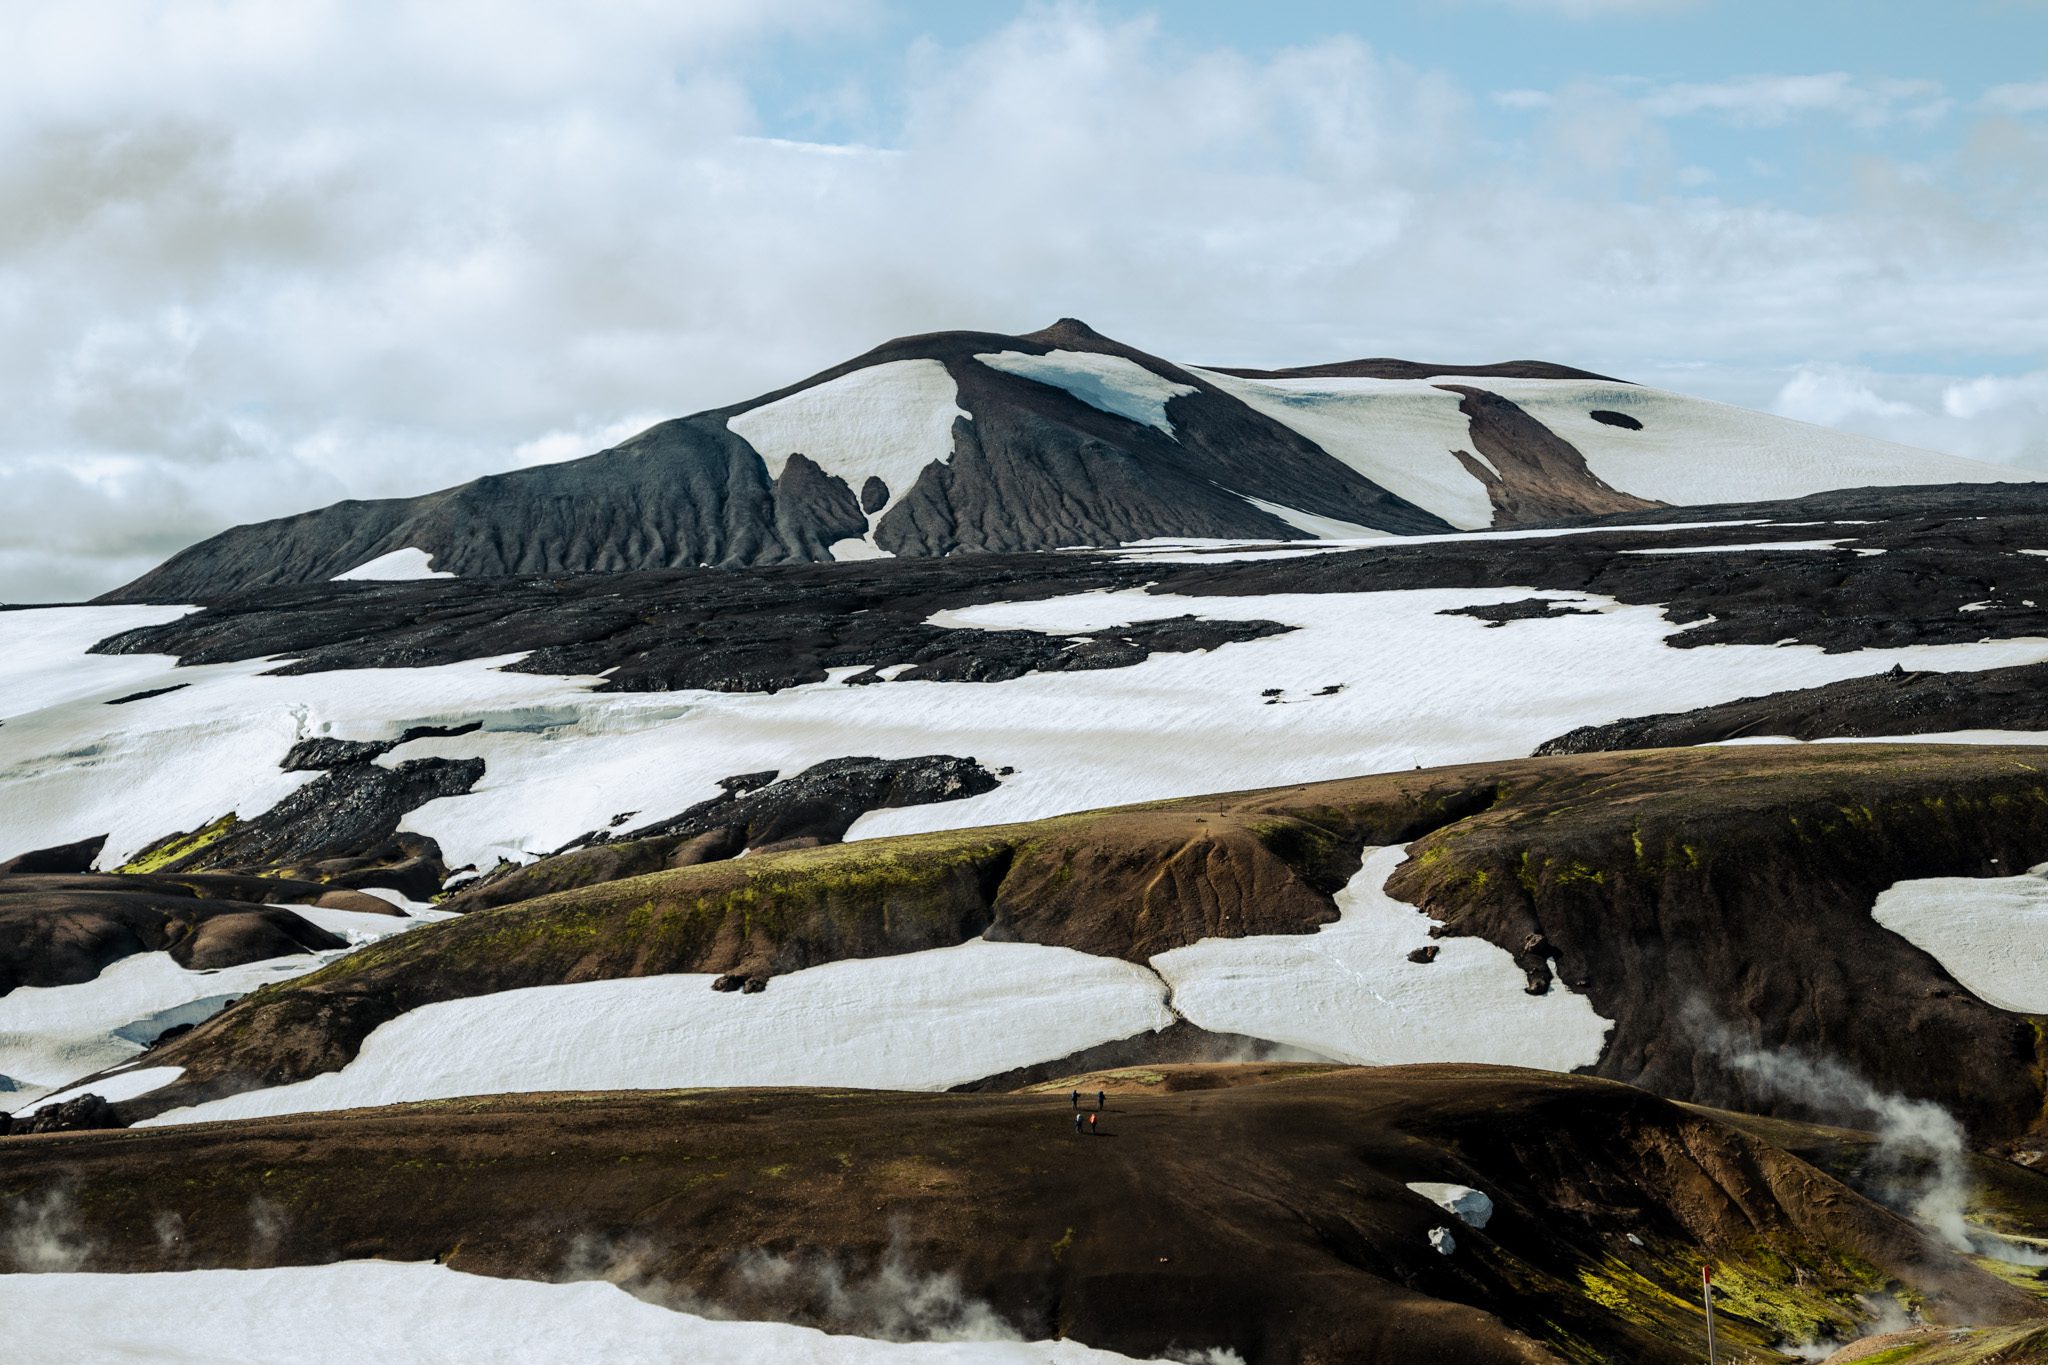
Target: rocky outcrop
65 858
1897 702
754 812
340 829
1531 473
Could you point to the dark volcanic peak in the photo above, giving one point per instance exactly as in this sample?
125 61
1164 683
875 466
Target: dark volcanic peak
953 442
1382 367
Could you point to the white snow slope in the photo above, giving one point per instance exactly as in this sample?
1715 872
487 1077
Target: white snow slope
929 1020
918 1021
416 1313
888 421
1110 383
1418 688
394 567
1400 434
1349 992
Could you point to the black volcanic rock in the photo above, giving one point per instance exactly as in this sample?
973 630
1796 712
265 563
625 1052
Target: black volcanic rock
84 1114
1942 548
1385 368
815 806
339 830
1895 703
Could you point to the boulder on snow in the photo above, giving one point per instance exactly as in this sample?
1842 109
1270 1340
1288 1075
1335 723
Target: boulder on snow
72 1116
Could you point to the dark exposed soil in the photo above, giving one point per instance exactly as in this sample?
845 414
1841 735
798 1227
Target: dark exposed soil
73 857
1383 368
1615 419
59 931
1531 473
1272 1219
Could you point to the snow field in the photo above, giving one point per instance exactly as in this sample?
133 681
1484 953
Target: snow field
1419 688
888 421
917 1021
395 567
43 659
1740 549
414 1313
1349 992
1109 383
182 760
1989 933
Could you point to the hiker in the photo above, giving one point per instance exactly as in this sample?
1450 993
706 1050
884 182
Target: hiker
1077 1100
1098 1099
1091 1125
1077 1119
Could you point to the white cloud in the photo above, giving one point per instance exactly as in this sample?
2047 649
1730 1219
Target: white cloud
569 443
1769 101
1603 9
259 257
2029 98
1997 418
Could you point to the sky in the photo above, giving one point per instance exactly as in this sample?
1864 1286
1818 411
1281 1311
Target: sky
260 255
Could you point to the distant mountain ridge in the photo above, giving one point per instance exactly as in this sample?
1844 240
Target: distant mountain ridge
960 442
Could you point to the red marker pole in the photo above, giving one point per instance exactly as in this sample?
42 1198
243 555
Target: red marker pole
1707 1295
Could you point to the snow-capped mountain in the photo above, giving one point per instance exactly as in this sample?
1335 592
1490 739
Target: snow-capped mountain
973 441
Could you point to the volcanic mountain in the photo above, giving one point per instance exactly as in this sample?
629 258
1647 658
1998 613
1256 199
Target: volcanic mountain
976 441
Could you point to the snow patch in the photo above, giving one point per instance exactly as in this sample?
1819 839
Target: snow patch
122 1085
413 1313
890 421
1110 383
1349 992
1738 549
398 566
1441 1241
1989 933
1467 1205
1398 433
1323 528
917 1021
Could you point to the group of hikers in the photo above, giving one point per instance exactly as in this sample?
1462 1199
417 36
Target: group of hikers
1100 1100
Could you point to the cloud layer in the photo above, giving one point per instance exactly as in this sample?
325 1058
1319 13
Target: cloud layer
257 257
